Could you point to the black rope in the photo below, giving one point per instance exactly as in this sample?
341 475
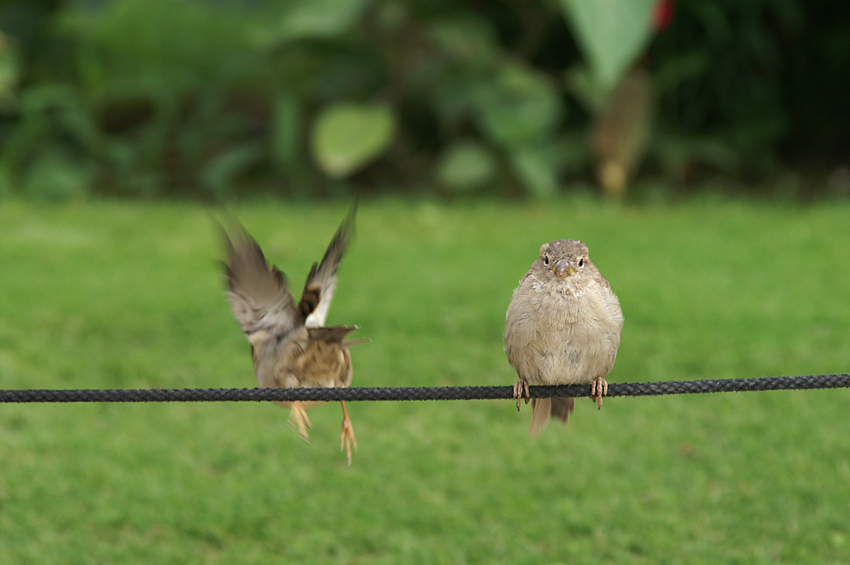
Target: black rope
421 393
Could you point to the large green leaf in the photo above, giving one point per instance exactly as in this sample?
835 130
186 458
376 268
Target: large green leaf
314 19
611 33
468 39
537 170
348 136
521 107
466 165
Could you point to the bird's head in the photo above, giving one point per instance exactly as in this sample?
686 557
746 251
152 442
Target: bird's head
563 259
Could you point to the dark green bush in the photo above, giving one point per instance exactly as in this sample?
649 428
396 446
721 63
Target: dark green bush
210 99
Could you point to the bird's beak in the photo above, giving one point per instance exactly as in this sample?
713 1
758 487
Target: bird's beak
563 269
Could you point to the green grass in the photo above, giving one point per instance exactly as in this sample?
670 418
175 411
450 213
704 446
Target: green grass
130 296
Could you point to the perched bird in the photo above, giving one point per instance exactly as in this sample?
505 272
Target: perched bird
290 345
562 327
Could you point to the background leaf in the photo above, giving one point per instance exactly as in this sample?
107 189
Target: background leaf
466 165
612 33
536 170
348 136
313 19
522 108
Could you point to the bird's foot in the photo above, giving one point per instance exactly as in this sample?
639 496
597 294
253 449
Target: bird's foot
520 389
299 421
599 389
347 438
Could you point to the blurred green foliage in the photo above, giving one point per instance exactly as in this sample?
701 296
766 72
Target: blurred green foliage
222 98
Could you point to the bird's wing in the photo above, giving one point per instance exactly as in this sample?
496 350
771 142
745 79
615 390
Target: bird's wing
333 334
258 292
321 282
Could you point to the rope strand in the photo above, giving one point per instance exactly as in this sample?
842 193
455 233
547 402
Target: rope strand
421 393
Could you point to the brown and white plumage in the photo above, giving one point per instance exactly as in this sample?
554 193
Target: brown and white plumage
562 327
290 346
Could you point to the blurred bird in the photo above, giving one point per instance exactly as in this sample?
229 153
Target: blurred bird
621 131
290 346
562 327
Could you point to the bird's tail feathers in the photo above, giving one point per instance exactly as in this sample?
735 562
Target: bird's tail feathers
559 407
539 415
562 406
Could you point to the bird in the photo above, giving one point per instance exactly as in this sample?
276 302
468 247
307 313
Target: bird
290 345
562 327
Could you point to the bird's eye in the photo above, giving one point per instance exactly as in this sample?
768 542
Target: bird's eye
545 259
581 262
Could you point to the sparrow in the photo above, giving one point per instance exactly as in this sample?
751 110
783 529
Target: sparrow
290 345
562 327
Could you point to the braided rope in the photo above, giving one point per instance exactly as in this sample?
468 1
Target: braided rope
421 393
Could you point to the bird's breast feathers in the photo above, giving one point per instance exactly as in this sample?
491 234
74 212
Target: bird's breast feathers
562 335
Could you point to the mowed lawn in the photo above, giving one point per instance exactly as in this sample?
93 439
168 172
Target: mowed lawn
114 295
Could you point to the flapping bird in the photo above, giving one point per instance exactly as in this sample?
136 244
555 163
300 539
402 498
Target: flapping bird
290 345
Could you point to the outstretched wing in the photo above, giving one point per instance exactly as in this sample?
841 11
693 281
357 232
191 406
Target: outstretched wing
258 292
321 282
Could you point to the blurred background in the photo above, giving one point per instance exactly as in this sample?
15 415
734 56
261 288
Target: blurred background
213 99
